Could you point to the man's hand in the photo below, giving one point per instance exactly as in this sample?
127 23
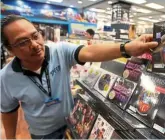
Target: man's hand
141 45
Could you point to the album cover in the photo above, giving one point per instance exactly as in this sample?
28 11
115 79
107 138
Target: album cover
158 63
105 82
81 119
92 76
101 130
148 96
159 122
122 91
134 68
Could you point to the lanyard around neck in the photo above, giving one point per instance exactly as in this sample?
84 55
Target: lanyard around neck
40 86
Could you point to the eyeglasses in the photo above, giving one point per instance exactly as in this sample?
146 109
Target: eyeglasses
26 43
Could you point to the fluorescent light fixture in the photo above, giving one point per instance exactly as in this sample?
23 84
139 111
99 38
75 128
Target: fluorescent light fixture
109 2
131 16
141 22
71 6
79 1
48 2
141 10
163 16
92 0
97 10
147 19
154 6
108 8
134 13
59 1
137 1
150 16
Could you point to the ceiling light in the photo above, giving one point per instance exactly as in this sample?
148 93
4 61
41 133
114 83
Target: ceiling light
141 22
56 1
71 6
150 17
97 10
79 1
92 0
109 2
137 1
108 8
134 13
48 2
154 6
141 10
131 16
163 16
147 19
160 18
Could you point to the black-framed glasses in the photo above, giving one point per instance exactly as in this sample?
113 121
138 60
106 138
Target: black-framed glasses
26 43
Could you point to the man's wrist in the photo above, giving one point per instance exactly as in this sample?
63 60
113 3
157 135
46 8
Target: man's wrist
124 50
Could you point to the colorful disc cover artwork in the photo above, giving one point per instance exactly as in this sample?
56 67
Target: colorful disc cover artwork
104 82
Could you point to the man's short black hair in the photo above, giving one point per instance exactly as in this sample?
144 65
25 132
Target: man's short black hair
91 32
6 21
42 32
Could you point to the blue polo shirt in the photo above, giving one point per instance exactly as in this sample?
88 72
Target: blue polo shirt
17 89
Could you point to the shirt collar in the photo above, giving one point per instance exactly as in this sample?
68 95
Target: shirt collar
16 64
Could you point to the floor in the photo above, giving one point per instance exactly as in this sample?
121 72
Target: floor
22 128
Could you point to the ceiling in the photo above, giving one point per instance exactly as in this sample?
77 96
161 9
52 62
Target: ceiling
136 16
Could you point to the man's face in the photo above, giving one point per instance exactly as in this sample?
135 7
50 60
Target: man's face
88 35
25 41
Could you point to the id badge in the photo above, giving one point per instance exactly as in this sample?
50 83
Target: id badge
52 101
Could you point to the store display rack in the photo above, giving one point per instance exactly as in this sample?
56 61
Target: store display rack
126 125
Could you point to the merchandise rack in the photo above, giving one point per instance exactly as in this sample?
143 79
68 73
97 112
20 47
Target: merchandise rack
125 124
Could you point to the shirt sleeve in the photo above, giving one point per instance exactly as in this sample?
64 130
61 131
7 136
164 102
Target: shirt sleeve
71 52
8 103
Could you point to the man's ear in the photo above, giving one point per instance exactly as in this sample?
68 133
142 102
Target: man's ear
10 52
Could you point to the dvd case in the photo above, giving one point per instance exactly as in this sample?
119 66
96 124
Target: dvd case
92 76
102 129
105 83
122 91
81 119
148 96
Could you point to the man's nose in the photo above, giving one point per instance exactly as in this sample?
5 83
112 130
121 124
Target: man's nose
33 45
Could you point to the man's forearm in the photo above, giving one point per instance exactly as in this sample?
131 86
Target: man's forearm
100 52
10 123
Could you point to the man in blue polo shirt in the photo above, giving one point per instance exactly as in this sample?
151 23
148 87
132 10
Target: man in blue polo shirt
38 78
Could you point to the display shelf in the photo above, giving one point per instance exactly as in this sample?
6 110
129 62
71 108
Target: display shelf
126 125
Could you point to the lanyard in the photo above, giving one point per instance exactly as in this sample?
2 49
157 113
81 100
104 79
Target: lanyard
40 86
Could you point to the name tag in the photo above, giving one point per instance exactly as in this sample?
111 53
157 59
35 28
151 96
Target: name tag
52 101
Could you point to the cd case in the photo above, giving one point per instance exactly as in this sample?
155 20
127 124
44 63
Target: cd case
159 122
81 119
92 76
122 91
105 83
146 99
134 68
102 129
158 63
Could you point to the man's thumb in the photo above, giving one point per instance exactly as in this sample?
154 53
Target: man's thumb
151 45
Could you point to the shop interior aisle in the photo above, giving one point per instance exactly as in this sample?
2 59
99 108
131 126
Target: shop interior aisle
22 127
